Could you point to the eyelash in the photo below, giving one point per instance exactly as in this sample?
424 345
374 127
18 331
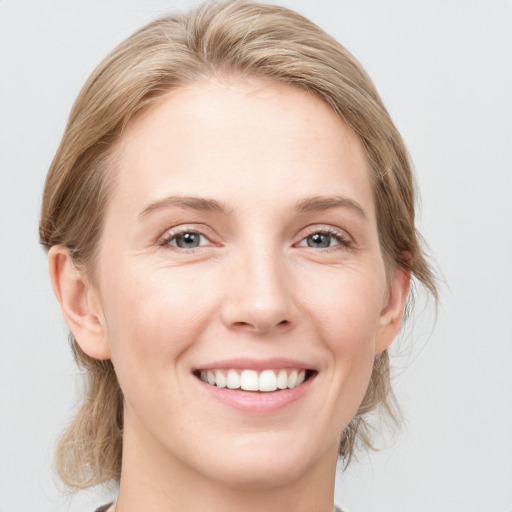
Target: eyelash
344 241
171 235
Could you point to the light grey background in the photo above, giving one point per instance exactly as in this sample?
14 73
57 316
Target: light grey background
444 69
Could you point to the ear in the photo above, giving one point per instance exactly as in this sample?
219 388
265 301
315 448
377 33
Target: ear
79 302
391 315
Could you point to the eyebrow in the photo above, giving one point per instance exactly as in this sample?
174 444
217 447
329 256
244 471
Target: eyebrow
319 203
192 203
309 204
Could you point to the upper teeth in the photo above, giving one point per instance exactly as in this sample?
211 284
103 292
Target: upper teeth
251 380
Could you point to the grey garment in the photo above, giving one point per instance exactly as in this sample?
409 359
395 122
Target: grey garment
104 508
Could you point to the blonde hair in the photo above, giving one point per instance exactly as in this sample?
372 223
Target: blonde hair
241 39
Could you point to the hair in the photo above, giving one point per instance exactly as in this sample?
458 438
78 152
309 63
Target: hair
230 38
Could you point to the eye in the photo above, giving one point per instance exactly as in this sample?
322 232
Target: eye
185 240
321 240
325 239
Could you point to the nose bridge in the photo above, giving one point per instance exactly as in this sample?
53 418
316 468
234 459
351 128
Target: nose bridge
260 295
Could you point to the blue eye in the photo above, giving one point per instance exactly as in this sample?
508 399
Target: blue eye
321 240
187 240
324 240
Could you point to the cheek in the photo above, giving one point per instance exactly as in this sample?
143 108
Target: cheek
346 307
346 318
151 320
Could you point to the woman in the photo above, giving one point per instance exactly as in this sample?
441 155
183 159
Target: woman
230 226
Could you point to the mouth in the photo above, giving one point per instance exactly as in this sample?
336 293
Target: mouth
265 381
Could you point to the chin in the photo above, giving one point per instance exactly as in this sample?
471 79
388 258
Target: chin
256 475
263 462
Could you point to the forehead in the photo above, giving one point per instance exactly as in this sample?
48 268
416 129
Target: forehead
241 140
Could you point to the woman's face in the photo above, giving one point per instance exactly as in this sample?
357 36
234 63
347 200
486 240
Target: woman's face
240 244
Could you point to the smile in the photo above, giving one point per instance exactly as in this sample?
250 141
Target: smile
255 386
253 380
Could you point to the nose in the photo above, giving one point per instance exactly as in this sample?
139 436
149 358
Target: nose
259 294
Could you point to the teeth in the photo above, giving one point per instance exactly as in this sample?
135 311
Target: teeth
268 381
251 380
220 379
233 380
292 379
282 380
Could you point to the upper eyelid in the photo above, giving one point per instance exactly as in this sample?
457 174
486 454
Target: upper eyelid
319 228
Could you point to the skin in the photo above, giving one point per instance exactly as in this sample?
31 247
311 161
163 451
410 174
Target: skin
253 288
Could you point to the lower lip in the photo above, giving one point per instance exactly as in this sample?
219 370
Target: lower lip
257 402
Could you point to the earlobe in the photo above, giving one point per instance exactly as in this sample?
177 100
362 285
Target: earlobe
79 302
391 315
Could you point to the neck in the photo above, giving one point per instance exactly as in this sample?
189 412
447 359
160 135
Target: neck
154 481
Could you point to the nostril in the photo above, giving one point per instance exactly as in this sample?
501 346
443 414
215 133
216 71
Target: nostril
260 325
242 324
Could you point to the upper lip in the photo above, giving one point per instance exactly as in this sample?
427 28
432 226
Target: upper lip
274 363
